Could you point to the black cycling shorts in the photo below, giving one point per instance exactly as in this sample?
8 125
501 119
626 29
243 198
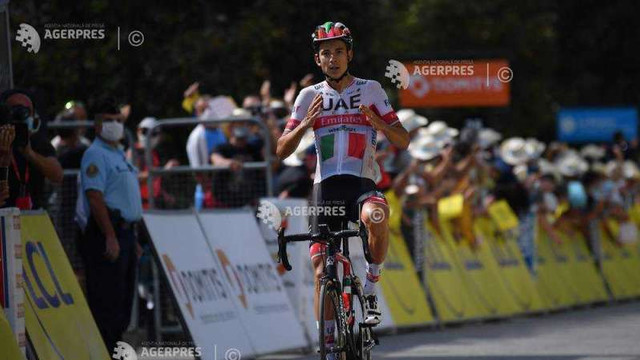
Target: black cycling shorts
335 200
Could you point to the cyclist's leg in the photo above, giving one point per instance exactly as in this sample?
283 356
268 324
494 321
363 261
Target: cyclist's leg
374 214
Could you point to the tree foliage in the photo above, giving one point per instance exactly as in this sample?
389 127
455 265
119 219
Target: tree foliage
564 53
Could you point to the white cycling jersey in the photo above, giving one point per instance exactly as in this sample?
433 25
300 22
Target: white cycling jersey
345 140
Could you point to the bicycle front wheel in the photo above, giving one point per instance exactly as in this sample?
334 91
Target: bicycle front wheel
362 335
331 307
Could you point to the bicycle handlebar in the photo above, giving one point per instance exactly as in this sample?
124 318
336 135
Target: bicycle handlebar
324 234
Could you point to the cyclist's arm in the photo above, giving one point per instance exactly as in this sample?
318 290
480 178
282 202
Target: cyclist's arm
387 120
302 116
289 141
397 135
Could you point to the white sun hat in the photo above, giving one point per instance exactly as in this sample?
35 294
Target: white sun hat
487 137
148 123
613 169
571 164
440 131
425 147
410 120
592 151
296 159
630 170
514 151
598 167
534 148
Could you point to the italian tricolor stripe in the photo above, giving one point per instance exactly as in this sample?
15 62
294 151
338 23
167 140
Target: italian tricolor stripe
356 145
326 146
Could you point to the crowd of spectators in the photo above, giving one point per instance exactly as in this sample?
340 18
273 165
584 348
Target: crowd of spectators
564 186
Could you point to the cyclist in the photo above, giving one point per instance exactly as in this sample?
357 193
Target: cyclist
345 113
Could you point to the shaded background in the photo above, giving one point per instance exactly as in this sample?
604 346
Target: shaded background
563 53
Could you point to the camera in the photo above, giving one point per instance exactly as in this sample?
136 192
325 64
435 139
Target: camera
18 116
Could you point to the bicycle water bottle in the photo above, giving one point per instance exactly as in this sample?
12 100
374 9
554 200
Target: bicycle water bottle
199 198
346 293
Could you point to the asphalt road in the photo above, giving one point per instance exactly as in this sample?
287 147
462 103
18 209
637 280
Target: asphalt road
601 333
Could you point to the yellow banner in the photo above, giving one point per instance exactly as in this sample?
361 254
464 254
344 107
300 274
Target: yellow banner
445 281
620 264
513 273
9 349
58 320
403 293
553 273
478 273
585 275
450 207
503 216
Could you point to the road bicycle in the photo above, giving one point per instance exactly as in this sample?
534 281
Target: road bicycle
354 339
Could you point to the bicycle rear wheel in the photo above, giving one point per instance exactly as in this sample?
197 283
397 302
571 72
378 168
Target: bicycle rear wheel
363 337
328 292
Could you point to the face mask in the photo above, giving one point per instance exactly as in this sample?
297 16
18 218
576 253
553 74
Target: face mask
142 139
112 130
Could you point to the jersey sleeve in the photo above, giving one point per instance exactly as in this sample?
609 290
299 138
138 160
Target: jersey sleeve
380 104
300 108
94 172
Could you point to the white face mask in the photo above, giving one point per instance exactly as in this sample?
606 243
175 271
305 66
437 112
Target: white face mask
112 130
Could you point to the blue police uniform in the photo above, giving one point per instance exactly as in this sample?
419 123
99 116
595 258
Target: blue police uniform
110 284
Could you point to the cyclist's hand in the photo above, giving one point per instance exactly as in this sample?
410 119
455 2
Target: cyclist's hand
314 110
375 120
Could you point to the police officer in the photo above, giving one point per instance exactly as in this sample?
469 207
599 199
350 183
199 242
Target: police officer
111 200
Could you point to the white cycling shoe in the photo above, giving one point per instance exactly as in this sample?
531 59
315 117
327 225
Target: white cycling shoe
373 314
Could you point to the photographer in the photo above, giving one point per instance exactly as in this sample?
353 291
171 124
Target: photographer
32 157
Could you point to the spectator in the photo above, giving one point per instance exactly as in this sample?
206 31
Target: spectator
296 178
621 149
33 157
235 187
69 146
204 138
69 149
73 111
111 199
397 160
147 131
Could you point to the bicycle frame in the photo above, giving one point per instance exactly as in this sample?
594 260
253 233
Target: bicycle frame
345 313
